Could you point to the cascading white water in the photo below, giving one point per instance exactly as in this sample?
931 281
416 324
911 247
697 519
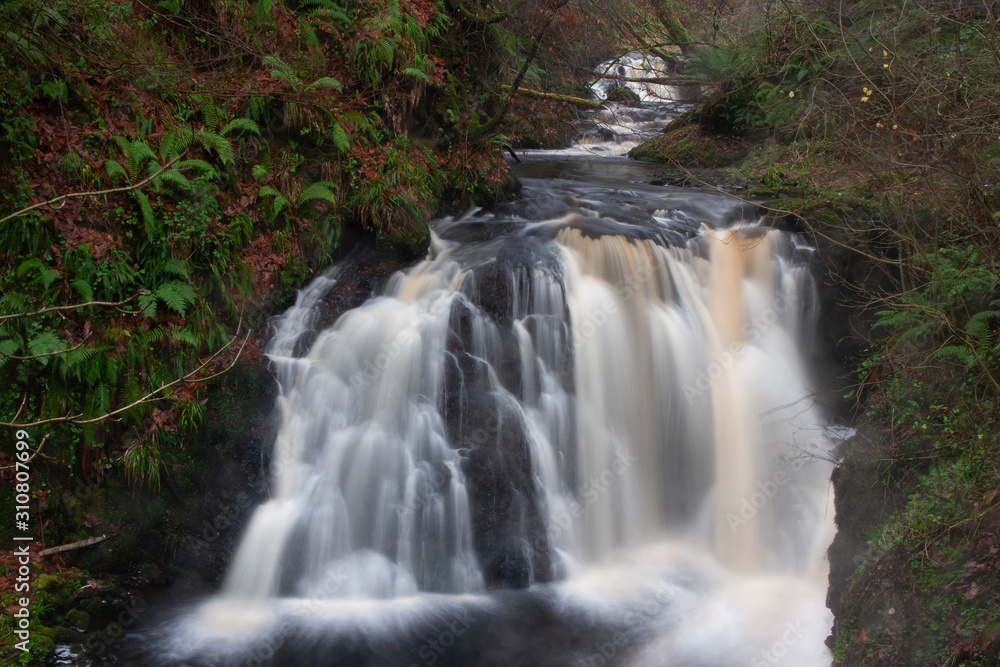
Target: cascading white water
619 126
659 391
604 405
577 401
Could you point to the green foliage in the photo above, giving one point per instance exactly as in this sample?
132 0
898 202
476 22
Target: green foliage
954 313
398 44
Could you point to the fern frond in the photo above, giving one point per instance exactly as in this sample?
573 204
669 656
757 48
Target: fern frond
209 113
149 221
416 74
242 125
957 352
46 343
14 302
115 170
84 289
219 144
147 304
177 267
319 190
199 165
281 70
177 295
340 138
186 335
978 326
279 199
174 177
327 82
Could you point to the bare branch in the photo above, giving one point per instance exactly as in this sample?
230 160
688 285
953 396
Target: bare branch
93 193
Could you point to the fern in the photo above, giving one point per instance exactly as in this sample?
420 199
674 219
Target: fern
177 295
319 190
186 335
281 70
199 165
115 170
219 144
171 6
241 125
8 347
46 343
210 114
262 11
73 360
13 302
149 221
960 353
174 177
326 81
416 74
978 326
280 202
29 265
85 290
147 305
340 138
177 267
327 10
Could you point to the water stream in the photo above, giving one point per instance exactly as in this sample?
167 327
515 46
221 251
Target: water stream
579 432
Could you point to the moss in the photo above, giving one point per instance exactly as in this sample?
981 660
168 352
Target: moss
94 606
54 591
623 94
63 635
78 619
690 146
41 644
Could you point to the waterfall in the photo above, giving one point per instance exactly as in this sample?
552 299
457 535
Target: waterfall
506 412
585 416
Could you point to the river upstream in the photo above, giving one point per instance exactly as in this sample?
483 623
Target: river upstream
579 433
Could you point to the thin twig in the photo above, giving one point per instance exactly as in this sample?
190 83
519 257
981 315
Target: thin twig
70 307
94 193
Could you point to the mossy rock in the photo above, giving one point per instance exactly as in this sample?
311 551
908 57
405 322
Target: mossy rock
78 619
41 644
54 591
63 635
623 94
690 146
94 606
